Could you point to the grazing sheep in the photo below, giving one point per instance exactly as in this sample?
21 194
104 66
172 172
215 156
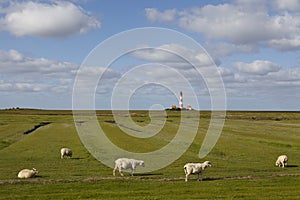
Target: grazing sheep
65 152
282 161
126 163
27 173
195 168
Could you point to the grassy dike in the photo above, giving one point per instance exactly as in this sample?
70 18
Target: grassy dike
243 158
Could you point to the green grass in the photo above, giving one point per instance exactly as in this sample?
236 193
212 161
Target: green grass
133 189
243 158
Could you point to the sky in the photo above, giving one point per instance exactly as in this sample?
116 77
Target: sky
252 45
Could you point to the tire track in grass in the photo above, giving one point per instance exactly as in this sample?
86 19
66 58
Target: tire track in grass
136 178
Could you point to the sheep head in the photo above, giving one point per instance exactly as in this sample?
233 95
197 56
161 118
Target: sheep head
142 163
206 164
35 171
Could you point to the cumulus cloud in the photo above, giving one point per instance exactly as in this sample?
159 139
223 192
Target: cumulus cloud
285 44
162 53
243 23
293 5
154 15
14 62
59 19
21 73
256 80
257 67
176 55
289 76
238 25
195 65
221 49
23 87
255 84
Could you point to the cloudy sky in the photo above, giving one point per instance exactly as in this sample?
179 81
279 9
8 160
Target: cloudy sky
254 46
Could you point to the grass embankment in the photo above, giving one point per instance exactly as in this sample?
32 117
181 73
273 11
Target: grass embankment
243 159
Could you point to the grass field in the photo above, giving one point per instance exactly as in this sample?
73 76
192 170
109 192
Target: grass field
243 158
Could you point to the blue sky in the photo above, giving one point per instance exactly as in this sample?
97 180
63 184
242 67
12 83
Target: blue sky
256 50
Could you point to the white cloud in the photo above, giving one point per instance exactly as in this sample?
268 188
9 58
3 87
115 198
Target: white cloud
59 19
159 54
246 26
221 49
14 62
174 55
290 76
274 90
11 55
154 15
257 67
200 72
293 5
21 73
107 74
230 22
7 86
285 44
243 23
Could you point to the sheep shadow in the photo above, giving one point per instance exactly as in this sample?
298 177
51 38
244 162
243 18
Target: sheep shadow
148 174
72 158
39 176
211 179
76 158
291 166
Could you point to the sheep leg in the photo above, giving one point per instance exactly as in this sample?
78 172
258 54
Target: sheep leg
186 178
132 171
120 171
114 171
200 177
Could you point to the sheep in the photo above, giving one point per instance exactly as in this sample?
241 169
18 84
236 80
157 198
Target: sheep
65 152
195 168
27 173
126 163
281 161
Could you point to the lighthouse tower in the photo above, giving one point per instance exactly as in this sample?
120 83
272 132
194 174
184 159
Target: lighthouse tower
180 101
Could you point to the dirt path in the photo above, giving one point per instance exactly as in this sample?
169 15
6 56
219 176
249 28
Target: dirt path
136 178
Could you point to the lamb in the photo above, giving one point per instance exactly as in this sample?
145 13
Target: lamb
282 161
126 163
195 168
65 152
27 173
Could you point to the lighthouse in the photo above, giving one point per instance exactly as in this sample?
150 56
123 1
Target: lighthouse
180 101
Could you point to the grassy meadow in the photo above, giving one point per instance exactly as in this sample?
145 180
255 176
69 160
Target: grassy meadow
243 158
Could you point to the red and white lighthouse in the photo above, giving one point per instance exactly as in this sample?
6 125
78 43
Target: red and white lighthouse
180 101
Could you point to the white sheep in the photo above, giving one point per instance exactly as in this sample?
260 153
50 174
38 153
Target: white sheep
195 168
27 173
281 161
65 152
126 163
